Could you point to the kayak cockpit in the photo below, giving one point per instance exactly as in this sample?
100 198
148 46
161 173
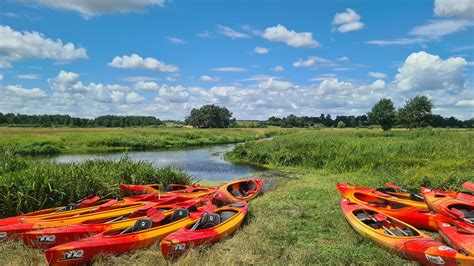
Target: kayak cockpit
242 189
383 224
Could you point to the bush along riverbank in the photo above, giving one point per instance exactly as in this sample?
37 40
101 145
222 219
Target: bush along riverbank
51 141
28 185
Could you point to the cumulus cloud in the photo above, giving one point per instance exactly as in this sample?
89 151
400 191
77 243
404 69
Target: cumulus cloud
448 8
16 46
261 50
422 71
377 75
208 78
146 85
134 97
295 39
177 94
274 84
347 21
278 68
135 61
312 60
465 103
89 8
230 32
229 69
26 93
378 84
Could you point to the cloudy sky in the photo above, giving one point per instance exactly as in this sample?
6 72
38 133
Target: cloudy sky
258 58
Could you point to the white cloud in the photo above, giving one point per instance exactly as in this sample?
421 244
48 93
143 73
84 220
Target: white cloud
177 94
134 97
229 69
146 85
447 8
176 40
230 32
305 63
208 78
378 84
465 103
89 8
278 68
21 92
398 41
273 84
16 46
422 71
261 50
347 21
436 29
377 75
1 76
28 76
139 78
135 61
343 59
295 39
204 34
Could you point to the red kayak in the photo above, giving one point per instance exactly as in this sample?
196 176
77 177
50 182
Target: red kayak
458 235
448 206
469 186
414 216
143 233
400 237
211 228
80 204
50 237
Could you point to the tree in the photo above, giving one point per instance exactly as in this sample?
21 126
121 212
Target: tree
210 116
341 124
383 113
416 112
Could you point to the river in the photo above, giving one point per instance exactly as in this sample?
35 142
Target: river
204 163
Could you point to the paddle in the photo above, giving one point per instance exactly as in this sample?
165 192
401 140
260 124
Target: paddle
383 226
468 186
381 218
391 185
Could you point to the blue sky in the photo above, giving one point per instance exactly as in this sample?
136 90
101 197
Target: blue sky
258 58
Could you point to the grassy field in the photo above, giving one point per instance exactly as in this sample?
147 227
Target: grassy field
299 221
50 141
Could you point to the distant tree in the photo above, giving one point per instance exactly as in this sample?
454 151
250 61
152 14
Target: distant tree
416 112
383 113
341 124
210 116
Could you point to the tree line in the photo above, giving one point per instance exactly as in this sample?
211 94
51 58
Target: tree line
10 119
417 112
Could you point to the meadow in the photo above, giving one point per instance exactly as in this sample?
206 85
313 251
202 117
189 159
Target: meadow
51 141
299 221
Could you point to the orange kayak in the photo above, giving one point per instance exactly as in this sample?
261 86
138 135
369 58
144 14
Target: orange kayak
399 237
241 190
418 203
420 218
448 206
182 190
459 235
143 233
211 228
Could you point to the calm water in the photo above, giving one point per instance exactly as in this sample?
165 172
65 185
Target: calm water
206 163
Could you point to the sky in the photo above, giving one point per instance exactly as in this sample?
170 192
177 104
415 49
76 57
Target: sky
257 58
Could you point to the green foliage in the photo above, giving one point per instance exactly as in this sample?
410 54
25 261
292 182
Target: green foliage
341 124
383 113
443 157
210 116
27 185
38 141
416 112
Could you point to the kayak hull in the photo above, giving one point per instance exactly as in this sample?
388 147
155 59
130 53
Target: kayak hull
235 191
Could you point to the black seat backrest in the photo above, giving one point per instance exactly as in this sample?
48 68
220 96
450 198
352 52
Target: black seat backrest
251 185
225 215
209 220
179 214
363 218
70 207
236 193
141 224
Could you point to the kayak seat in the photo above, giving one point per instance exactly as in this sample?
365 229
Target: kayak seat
251 185
226 215
209 220
366 220
398 205
140 225
236 193
70 207
179 214
168 188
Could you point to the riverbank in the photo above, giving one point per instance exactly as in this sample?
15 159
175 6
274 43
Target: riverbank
52 141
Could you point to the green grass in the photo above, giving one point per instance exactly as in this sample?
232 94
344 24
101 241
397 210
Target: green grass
28 185
50 141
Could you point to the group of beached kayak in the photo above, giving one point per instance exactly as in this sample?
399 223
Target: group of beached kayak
178 217
391 218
